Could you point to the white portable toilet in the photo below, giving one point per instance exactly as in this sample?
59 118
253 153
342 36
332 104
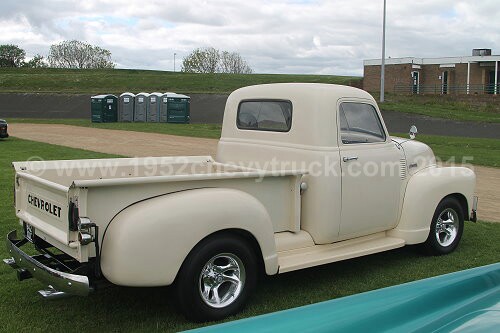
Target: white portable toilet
153 112
126 104
141 107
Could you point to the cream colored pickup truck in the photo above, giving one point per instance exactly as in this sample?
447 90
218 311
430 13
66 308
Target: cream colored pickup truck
305 175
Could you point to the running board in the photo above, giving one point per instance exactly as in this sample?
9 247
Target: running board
324 254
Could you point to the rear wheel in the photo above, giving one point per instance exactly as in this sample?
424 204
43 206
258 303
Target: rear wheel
217 278
446 228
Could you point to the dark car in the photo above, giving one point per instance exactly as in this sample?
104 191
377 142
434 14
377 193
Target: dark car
3 129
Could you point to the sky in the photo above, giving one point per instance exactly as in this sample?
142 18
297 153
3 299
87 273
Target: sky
294 37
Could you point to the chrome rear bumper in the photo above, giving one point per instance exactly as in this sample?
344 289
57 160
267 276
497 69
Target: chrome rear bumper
58 281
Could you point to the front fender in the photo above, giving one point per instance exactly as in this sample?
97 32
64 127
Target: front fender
146 244
424 191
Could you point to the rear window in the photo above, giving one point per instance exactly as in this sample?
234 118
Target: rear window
265 115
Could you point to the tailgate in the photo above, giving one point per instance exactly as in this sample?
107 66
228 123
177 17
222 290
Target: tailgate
44 205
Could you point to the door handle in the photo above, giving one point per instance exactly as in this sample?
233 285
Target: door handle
349 158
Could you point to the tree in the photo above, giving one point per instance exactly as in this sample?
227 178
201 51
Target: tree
232 62
211 60
11 55
77 54
37 62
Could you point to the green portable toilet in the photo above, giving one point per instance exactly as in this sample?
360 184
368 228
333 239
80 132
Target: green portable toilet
104 108
178 108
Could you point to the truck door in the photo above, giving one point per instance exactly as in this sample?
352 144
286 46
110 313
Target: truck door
370 164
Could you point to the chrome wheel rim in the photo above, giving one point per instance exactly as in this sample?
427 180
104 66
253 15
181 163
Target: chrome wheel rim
222 280
447 226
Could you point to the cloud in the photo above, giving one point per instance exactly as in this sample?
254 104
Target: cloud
325 37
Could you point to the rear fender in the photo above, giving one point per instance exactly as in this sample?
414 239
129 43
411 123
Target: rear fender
146 244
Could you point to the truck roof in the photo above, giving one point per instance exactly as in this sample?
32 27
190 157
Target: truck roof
314 112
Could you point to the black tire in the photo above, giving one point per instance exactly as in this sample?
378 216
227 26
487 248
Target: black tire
189 282
437 243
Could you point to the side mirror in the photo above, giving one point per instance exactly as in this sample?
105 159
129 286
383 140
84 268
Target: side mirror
413 132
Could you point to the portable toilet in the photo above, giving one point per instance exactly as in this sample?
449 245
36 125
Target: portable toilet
103 108
164 107
154 102
141 107
126 105
178 108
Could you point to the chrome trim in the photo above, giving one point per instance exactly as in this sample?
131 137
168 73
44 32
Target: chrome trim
473 214
51 293
474 203
65 282
11 262
349 158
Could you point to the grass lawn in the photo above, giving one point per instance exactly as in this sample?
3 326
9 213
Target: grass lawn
484 151
448 107
121 309
78 81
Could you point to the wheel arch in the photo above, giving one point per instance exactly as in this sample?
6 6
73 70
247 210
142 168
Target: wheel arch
247 236
462 201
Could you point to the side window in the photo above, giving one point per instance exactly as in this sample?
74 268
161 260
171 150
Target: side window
359 123
265 115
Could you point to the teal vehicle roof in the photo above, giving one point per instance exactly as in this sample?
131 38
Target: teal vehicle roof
463 301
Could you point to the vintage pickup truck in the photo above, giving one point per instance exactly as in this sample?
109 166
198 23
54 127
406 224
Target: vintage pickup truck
305 175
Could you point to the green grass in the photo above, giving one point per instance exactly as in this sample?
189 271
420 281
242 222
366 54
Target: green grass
75 81
448 107
459 150
485 152
120 309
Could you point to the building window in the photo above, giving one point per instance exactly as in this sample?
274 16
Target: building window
265 115
359 123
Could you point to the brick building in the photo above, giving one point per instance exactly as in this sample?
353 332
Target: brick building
476 74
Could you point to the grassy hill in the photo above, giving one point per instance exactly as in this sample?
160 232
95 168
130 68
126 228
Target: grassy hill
75 81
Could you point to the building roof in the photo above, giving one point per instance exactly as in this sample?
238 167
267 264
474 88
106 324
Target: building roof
432 61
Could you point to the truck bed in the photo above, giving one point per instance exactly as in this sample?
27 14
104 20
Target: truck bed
101 188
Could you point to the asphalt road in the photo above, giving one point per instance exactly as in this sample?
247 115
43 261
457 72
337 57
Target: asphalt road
399 122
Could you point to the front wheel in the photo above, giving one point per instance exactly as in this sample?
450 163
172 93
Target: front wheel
216 279
446 228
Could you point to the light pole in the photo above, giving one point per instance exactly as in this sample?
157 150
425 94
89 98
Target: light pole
174 61
382 69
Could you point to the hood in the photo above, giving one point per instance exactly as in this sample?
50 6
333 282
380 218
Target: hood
418 155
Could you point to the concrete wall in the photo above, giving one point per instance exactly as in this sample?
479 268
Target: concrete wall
205 108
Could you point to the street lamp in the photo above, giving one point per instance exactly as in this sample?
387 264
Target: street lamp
382 69
174 61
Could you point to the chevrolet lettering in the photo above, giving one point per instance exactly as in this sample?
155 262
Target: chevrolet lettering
44 205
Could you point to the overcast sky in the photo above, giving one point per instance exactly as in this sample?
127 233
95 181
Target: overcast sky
296 36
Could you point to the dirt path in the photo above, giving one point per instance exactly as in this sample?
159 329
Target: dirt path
130 143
